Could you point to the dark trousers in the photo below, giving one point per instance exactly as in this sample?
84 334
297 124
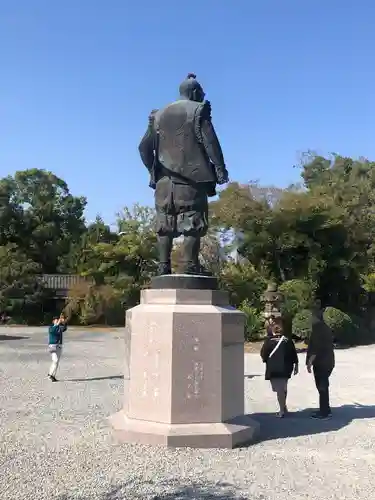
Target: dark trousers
321 376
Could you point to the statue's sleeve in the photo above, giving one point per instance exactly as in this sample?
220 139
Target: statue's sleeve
207 136
146 146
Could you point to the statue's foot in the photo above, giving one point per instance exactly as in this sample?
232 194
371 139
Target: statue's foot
196 269
164 269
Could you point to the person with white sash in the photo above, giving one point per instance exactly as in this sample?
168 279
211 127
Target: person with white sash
280 356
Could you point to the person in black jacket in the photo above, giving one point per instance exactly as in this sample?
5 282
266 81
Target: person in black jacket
320 358
280 355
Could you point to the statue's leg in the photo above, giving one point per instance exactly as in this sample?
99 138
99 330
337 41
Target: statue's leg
192 221
165 242
165 223
191 245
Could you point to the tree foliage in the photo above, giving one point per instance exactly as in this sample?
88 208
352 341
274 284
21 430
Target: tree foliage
343 328
298 294
50 217
243 282
119 264
94 304
254 322
302 325
21 290
315 240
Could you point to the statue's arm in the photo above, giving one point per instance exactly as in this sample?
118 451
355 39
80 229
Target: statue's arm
211 144
146 146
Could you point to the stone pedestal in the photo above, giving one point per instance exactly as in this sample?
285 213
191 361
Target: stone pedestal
186 384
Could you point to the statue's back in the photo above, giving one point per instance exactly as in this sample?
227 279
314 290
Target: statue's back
179 149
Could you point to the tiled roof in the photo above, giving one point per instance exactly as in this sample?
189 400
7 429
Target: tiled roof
62 281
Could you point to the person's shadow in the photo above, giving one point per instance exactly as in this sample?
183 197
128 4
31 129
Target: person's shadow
12 337
175 489
93 379
299 423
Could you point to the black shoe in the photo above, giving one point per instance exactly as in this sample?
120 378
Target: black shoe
164 269
321 416
196 270
51 377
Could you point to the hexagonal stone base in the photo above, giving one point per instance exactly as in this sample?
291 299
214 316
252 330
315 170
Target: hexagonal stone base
241 431
186 366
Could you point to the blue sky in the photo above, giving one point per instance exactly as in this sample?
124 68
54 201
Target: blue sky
79 78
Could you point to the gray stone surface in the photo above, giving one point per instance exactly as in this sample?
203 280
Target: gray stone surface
56 443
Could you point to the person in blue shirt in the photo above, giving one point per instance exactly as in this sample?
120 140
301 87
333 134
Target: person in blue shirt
55 341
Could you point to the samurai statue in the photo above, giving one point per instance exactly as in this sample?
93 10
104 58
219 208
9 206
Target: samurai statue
183 155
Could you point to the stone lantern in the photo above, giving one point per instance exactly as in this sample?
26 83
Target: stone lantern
273 300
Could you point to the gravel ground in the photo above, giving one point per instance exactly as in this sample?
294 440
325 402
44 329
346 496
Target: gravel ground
55 442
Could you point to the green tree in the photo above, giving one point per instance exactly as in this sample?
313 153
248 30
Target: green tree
127 263
298 294
48 217
21 290
244 283
300 235
90 304
350 184
11 215
254 322
138 218
80 258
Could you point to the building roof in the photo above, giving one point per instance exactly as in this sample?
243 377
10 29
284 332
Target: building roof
62 281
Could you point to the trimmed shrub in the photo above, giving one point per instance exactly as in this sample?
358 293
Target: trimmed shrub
302 325
343 329
254 322
298 295
364 334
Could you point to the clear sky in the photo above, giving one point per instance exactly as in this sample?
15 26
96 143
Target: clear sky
79 77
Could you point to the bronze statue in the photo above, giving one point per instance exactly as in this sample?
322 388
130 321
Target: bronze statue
181 151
